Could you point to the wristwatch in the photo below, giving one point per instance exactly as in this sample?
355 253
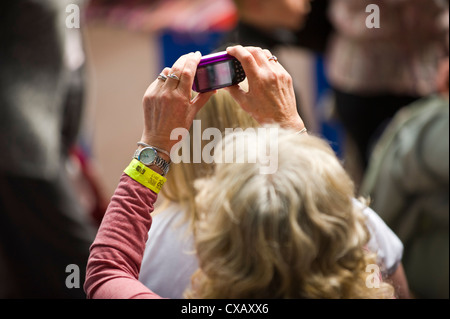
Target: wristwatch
149 156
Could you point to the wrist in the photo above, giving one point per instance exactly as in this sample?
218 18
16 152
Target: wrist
153 157
163 145
165 155
295 124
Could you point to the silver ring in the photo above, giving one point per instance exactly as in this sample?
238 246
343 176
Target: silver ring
273 58
174 77
303 131
162 77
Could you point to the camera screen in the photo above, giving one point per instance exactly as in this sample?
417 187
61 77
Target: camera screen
215 75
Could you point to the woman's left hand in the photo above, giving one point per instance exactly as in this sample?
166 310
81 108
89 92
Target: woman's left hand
168 104
270 97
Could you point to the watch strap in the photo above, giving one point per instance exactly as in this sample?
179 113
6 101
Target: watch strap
162 164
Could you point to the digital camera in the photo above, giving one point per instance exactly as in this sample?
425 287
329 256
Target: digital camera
216 71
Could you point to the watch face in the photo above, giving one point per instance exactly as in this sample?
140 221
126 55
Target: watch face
147 156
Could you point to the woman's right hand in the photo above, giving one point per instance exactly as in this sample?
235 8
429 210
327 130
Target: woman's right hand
167 104
270 97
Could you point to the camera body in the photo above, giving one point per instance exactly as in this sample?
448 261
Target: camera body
216 71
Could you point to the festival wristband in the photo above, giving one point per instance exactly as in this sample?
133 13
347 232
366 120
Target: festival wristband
145 176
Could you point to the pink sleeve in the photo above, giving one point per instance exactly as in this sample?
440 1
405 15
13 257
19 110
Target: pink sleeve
116 254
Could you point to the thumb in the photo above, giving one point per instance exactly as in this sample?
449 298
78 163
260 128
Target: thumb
199 101
237 93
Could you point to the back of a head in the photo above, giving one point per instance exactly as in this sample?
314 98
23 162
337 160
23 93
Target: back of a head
220 112
291 234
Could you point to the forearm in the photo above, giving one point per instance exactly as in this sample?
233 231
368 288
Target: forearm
116 254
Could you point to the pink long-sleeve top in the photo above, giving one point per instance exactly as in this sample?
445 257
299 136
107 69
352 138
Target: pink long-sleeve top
116 254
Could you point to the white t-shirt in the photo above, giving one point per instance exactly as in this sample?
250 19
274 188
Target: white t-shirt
383 241
169 259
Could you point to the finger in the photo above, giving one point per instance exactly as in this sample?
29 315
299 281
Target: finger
177 70
164 72
247 60
273 60
158 83
200 100
268 53
188 74
237 93
259 55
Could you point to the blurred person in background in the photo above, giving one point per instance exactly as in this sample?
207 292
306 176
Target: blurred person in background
273 25
44 225
268 23
377 71
408 181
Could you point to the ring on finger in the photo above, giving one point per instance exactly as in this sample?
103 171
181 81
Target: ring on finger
273 58
173 76
162 77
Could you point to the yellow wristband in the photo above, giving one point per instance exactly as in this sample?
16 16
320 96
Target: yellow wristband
145 176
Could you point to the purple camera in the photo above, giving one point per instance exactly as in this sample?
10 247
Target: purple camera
216 71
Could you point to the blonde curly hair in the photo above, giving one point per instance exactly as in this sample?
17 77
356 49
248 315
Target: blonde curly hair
292 234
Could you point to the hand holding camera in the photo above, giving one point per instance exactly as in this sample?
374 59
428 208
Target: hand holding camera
168 105
270 97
